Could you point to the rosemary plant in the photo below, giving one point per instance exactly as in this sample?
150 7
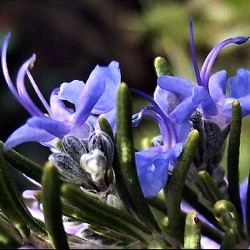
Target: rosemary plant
98 191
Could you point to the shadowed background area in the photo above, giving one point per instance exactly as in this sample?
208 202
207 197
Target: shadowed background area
70 38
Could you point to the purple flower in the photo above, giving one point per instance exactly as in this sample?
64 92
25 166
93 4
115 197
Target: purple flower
153 163
91 99
179 97
243 197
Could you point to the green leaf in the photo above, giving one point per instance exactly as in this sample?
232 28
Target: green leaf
23 164
10 202
9 236
51 201
126 239
192 196
105 126
125 168
17 201
159 242
229 240
103 215
162 67
177 183
192 237
233 158
210 187
227 216
248 206
206 230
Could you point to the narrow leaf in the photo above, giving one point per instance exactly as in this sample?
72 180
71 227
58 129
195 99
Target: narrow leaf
112 234
206 229
125 167
105 126
162 67
191 196
52 207
227 216
209 187
233 158
177 183
8 203
104 215
10 237
23 164
248 206
229 240
192 238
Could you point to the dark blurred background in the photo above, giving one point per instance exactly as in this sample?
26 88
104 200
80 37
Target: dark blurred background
70 37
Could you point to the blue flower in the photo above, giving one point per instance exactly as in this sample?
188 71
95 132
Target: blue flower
89 100
239 89
178 97
153 163
243 197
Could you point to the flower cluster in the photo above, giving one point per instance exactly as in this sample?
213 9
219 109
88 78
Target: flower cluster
107 187
89 100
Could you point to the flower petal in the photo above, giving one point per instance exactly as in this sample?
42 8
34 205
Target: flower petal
185 109
152 174
93 90
243 196
239 84
59 111
245 105
53 127
166 100
217 85
27 134
176 85
107 100
193 96
70 91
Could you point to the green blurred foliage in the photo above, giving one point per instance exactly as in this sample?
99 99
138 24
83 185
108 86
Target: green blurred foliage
166 24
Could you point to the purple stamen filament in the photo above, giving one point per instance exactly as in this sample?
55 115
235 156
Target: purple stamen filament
164 130
193 53
158 110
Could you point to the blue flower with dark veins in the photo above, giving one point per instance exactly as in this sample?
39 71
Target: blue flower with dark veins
179 98
154 163
88 101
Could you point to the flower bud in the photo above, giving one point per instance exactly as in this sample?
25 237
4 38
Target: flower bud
101 140
114 201
95 163
69 170
74 147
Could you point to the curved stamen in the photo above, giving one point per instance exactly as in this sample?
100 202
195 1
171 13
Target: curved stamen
6 73
28 106
164 130
34 110
160 112
38 92
193 53
209 61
